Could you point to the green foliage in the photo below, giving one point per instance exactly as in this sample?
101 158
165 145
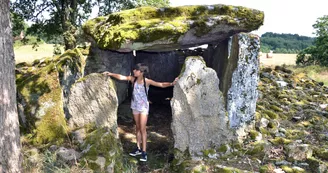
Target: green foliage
153 3
65 17
18 23
57 50
108 6
284 43
317 54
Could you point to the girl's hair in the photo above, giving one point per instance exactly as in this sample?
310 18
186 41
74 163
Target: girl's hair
145 70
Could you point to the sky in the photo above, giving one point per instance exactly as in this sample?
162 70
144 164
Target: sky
280 16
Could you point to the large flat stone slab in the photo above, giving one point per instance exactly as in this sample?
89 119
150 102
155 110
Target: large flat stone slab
153 29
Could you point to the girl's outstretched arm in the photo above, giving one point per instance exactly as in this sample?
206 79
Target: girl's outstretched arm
118 76
161 84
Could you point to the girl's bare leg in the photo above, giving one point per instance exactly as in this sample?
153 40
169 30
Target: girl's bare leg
142 125
138 134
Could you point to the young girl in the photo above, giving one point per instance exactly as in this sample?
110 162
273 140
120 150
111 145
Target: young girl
140 104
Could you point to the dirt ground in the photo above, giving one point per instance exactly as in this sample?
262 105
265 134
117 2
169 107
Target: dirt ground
159 133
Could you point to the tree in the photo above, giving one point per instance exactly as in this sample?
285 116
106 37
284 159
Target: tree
55 18
317 54
10 159
284 43
18 23
110 6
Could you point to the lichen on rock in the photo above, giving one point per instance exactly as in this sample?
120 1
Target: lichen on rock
201 105
149 28
102 151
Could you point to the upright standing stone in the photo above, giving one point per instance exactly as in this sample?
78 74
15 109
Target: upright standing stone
99 61
199 117
93 101
242 94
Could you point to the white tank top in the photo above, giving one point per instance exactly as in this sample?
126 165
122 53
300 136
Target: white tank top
139 102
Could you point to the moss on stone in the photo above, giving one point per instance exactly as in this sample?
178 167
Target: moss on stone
257 149
276 108
208 152
73 59
295 134
147 24
287 169
280 141
39 87
181 160
271 114
41 91
253 134
103 143
228 170
321 153
223 148
316 164
267 168
264 131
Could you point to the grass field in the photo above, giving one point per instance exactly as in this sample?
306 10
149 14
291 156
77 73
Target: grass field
278 59
28 54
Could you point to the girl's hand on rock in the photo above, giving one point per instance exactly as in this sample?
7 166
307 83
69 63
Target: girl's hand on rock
107 73
175 81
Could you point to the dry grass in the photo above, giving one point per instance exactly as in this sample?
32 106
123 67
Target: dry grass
28 54
316 73
278 59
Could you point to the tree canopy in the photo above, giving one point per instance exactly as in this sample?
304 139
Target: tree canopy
284 43
318 53
59 18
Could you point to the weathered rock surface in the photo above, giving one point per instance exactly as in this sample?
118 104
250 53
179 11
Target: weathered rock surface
102 152
149 28
199 119
242 94
299 152
79 135
93 100
71 68
41 99
99 61
236 63
68 155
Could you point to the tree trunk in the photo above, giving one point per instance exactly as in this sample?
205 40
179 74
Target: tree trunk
10 159
68 29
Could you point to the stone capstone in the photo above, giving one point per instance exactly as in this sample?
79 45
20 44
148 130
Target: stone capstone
159 29
199 119
93 100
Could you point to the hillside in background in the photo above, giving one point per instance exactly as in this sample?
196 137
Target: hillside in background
284 43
